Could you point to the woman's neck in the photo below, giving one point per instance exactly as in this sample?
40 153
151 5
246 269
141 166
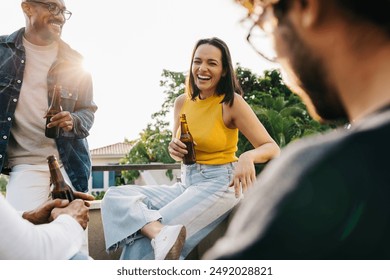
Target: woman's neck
205 95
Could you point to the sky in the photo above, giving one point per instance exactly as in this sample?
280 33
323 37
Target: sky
126 44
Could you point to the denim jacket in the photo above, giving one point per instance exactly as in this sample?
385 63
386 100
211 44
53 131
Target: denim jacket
76 97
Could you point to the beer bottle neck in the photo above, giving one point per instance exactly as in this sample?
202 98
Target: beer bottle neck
56 101
55 173
184 127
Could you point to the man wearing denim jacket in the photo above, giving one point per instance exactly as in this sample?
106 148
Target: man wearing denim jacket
32 61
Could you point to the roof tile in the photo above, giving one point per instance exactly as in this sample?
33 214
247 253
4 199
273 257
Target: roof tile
119 149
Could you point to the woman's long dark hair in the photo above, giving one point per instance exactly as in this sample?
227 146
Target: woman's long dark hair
228 85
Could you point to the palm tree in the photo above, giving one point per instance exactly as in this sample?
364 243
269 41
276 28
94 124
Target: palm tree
280 111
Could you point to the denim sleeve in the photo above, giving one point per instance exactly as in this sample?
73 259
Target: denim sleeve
84 110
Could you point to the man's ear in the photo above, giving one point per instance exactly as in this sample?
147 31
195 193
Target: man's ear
26 8
310 11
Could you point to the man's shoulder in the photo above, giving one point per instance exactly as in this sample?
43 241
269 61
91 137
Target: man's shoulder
69 53
340 148
309 170
11 38
309 151
343 143
3 38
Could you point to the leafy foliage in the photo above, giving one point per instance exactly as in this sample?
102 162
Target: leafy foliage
152 146
280 111
3 183
98 195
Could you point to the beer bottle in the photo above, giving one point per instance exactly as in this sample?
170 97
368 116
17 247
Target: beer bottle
60 188
54 108
186 138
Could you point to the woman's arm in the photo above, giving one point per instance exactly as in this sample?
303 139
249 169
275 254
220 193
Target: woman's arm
241 116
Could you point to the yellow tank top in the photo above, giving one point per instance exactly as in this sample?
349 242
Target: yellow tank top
215 143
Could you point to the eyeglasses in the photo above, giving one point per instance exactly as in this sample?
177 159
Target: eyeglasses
53 8
262 23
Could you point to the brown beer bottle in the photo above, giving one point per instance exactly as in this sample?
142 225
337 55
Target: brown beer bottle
54 108
60 188
186 138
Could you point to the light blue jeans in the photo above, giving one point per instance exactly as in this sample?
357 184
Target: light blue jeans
200 203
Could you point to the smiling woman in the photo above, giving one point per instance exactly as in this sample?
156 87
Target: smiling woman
207 70
169 221
130 69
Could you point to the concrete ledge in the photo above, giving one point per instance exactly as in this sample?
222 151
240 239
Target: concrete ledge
96 241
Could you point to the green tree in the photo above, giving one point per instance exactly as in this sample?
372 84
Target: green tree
152 145
3 183
281 112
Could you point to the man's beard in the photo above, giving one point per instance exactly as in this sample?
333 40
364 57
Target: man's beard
311 75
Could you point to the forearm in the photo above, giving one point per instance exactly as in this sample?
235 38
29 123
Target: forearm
83 112
60 239
82 123
263 153
20 239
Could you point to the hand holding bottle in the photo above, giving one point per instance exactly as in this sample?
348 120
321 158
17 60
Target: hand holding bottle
77 209
186 138
51 130
177 149
62 120
42 214
184 147
55 117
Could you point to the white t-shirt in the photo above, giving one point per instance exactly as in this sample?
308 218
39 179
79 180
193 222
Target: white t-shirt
28 143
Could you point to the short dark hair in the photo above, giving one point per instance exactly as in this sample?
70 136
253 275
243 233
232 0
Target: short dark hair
373 11
228 84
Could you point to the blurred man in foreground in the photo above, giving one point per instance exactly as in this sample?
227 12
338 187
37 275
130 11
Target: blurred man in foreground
327 196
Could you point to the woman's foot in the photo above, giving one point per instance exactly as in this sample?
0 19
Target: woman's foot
169 243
